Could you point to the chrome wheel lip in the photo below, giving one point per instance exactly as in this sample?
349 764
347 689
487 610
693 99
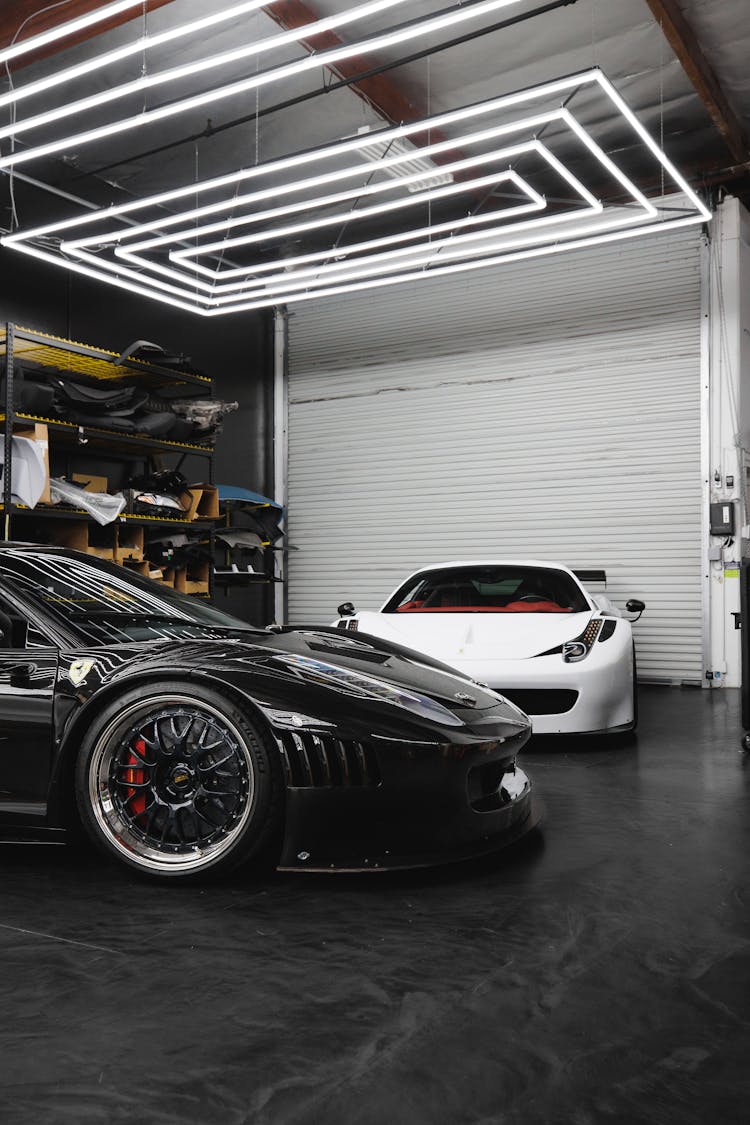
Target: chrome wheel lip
115 829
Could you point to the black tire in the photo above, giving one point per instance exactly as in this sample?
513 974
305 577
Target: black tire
635 694
178 781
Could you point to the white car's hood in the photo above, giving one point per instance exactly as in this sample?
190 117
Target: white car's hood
476 636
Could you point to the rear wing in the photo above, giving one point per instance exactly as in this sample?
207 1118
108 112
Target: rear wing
591 576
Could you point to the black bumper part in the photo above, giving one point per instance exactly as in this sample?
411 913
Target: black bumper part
427 810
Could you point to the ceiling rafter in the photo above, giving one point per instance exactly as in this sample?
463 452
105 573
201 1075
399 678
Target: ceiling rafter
13 15
380 91
685 45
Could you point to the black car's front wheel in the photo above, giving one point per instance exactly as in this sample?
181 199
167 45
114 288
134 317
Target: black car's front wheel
177 782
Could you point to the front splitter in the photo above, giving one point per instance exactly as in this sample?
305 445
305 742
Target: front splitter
484 846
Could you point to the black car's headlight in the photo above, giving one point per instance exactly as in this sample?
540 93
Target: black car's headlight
578 649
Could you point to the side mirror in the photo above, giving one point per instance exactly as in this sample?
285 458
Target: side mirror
20 676
346 609
635 605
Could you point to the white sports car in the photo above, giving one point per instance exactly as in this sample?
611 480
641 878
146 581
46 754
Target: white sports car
530 630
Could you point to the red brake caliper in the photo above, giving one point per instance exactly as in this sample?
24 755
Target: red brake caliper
136 776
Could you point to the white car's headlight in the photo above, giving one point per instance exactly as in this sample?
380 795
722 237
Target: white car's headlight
578 649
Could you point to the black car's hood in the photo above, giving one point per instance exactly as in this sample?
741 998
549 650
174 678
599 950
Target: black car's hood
318 651
317 671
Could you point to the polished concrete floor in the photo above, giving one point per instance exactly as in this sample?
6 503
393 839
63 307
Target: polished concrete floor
598 973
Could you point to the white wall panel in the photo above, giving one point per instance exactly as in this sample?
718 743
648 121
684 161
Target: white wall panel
547 409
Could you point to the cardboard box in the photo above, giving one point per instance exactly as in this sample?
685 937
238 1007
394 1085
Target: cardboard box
195 580
89 538
39 433
90 483
129 543
142 568
74 535
201 502
101 541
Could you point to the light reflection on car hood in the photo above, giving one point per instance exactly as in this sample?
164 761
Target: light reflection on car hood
477 636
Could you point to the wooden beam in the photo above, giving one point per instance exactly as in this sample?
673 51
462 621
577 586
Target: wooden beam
685 45
379 91
13 15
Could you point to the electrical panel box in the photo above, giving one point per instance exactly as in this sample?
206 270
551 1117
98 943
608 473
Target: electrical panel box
722 519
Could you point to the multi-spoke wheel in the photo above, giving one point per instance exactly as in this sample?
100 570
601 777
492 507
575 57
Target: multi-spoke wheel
177 782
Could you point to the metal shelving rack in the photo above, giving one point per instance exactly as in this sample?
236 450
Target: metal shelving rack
46 351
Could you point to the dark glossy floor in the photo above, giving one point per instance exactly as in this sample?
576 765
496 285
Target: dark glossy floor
599 973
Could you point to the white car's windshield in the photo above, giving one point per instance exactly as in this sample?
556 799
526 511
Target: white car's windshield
489 589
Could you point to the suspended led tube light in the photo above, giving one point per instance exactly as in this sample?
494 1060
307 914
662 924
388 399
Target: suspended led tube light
313 156
139 288
461 267
208 97
195 251
557 248
291 187
144 43
535 201
503 154
131 255
354 215
446 249
65 30
149 81
378 262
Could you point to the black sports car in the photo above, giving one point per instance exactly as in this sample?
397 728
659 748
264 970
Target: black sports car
185 740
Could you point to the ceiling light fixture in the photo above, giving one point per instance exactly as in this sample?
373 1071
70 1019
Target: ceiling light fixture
586 203
131 257
314 156
148 81
281 283
354 215
461 267
65 30
286 186
137 47
533 202
377 42
536 252
297 265
565 116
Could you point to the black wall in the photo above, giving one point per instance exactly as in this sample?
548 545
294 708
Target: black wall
236 350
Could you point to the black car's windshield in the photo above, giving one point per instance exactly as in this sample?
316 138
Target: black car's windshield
103 604
489 589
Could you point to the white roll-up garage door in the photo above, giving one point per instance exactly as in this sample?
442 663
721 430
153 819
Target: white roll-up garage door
546 409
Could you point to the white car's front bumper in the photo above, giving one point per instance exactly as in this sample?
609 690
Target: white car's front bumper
595 694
